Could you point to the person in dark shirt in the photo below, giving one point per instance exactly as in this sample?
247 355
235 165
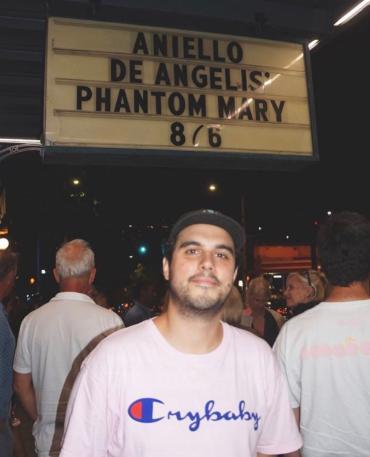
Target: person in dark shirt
8 271
143 297
264 321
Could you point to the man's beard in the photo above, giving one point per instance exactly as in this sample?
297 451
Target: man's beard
201 305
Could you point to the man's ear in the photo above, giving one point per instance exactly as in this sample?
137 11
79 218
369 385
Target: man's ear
92 276
56 275
166 268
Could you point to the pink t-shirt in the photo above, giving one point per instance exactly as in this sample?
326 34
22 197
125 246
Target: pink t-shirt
138 396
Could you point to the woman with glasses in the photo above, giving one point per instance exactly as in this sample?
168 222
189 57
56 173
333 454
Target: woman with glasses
304 290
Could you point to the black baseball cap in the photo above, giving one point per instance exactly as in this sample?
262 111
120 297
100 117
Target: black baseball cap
210 217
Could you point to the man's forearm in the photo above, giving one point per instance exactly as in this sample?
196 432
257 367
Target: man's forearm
28 401
24 389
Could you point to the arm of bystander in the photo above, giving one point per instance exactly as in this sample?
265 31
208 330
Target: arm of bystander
23 387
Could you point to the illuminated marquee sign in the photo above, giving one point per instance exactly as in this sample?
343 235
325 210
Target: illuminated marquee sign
116 85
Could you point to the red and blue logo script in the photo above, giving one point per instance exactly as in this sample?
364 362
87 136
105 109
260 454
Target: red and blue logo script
149 410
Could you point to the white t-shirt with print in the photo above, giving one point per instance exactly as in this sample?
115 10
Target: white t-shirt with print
325 354
138 396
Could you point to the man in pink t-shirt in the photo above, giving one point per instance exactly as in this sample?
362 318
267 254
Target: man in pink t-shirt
184 384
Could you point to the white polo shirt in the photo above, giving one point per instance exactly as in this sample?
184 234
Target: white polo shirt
52 342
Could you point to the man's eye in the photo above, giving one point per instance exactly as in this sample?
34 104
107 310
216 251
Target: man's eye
222 255
191 251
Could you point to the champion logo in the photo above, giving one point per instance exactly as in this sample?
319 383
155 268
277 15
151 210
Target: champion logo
149 410
142 410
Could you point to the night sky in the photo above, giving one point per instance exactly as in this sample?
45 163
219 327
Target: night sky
44 208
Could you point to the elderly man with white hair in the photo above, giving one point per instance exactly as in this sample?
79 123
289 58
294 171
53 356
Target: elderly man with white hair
53 341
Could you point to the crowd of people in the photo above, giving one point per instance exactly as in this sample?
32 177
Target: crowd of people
216 372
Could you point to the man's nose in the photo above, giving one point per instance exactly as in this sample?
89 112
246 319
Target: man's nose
207 261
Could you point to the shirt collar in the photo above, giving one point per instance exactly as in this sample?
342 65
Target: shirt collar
75 296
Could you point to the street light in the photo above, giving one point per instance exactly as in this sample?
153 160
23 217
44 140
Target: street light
4 244
142 249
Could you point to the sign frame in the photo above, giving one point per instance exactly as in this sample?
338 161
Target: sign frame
255 159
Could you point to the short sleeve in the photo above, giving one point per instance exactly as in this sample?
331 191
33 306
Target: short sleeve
118 321
22 359
280 432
